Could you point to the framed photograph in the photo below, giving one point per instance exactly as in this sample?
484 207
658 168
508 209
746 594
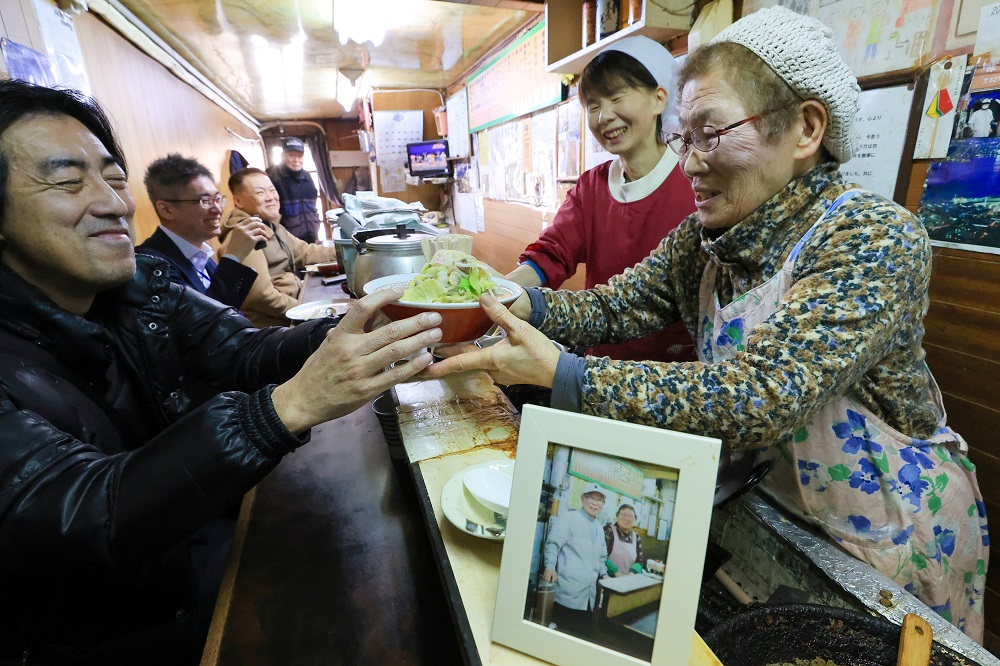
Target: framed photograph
589 574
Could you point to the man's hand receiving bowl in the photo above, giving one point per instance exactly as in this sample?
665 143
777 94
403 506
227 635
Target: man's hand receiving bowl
525 356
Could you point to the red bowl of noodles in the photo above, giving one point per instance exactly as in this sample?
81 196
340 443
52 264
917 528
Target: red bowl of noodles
460 322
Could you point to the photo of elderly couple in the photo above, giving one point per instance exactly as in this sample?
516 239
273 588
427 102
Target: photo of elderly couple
600 547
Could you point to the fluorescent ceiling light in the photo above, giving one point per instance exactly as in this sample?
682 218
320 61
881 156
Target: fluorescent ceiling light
367 21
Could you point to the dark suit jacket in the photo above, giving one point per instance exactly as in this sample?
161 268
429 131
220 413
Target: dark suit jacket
231 280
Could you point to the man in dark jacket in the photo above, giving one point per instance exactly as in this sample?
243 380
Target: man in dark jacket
189 207
296 190
111 468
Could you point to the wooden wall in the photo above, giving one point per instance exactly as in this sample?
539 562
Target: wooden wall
426 100
963 350
510 227
154 112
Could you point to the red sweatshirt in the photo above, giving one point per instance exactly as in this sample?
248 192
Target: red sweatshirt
609 236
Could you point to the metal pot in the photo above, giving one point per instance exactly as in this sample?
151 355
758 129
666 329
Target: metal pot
791 632
346 254
383 252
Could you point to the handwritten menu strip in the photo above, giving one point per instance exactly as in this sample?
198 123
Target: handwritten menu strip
458 124
514 83
613 473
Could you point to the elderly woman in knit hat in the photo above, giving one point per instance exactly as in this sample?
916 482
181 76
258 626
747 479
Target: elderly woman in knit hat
619 211
806 298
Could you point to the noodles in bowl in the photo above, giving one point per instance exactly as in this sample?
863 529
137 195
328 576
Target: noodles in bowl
460 321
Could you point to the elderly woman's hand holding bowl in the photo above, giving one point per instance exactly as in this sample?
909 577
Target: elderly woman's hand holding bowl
805 296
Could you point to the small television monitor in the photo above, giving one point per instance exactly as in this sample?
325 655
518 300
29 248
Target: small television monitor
428 159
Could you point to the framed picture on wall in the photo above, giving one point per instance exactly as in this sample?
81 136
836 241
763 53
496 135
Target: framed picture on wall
588 574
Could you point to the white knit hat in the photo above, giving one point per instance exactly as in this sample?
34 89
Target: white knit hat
663 68
801 51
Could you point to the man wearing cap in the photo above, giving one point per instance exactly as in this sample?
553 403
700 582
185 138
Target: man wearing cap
806 296
189 208
297 191
575 552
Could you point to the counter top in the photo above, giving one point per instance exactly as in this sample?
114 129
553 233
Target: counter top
470 566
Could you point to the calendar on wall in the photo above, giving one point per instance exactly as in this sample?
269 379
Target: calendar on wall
514 83
393 130
613 473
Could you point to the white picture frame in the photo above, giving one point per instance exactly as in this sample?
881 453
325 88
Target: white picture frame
695 460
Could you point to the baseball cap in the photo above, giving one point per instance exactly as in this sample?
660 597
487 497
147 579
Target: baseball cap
294 143
594 488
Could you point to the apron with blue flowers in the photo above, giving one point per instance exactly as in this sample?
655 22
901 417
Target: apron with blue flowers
909 507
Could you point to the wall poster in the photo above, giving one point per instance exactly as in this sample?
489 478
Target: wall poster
961 201
874 36
568 140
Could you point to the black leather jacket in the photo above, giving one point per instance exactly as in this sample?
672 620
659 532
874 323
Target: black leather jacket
121 434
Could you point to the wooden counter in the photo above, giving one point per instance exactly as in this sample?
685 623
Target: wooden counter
470 566
342 557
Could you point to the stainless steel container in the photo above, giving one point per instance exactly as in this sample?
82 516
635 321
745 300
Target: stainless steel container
346 254
384 252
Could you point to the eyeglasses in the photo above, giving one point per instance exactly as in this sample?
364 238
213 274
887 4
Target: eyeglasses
706 138
204 202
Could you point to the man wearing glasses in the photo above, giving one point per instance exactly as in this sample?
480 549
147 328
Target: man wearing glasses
189 207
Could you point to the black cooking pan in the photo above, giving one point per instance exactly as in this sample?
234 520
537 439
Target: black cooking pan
783 634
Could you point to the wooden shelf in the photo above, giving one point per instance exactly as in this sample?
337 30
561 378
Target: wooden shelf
661 21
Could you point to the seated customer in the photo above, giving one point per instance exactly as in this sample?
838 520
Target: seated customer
189 207
109 470
277 287
806 296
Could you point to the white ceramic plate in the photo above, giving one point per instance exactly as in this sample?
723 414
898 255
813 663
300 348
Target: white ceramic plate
466 512
491 486
317 309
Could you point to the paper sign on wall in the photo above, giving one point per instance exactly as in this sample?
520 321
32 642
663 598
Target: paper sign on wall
458 124
62 46
881 123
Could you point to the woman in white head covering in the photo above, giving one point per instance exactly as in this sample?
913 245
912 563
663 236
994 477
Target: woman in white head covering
618 212
806 297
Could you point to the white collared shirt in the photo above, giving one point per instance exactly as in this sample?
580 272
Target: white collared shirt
628 191
198 256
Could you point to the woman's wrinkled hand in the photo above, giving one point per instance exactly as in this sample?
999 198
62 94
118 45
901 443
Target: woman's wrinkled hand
350 367
525 356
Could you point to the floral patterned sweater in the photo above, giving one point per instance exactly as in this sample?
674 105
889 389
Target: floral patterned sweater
852 322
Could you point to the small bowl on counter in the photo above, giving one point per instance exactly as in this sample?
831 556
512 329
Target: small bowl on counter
460 322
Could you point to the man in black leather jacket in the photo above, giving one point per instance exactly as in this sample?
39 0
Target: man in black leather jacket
134 411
